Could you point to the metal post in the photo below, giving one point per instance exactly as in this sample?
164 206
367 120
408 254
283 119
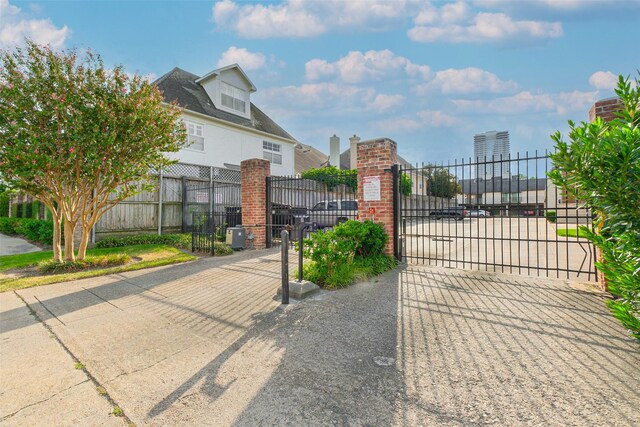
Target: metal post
284 250
160 203
184 204
212 206
396 213
268 216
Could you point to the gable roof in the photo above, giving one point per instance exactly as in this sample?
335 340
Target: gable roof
308 157
345 160
181 86
217 72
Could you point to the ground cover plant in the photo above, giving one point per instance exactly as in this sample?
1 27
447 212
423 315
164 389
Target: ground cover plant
38 268
600 167
182 241
351 251
572 232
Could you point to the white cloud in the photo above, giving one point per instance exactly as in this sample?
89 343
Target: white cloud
320 96
451 23
298 18
15 26
603 80
247 60
382 102
397 125
466 80
528 102
373 65
437 118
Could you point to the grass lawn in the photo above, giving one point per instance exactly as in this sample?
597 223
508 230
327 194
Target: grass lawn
571 232
144 256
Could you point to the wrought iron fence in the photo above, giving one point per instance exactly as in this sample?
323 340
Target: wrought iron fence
498 214
323 201
210 208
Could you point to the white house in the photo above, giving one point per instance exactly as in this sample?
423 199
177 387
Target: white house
223 126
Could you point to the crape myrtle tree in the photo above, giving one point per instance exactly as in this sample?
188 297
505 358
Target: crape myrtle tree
80 137
441 182
600 167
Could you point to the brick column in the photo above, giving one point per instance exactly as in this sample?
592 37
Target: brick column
375 158
253 178
606 109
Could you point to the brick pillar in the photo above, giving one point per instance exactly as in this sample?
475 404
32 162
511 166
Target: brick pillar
253 178
375 159
606 109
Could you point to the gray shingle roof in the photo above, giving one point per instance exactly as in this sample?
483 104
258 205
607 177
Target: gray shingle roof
180 86
502 185
308 157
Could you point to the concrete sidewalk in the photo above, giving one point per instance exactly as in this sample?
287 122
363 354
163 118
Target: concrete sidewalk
15 245
205 343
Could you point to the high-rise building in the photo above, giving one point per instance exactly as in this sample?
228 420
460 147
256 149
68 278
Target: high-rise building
491 150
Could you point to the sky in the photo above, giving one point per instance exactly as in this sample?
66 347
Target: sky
426 74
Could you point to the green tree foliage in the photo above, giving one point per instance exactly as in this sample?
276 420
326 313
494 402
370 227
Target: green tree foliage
405 184
332 177
600 167
76 135
441 182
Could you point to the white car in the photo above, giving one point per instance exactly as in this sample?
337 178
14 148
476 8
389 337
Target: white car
479 212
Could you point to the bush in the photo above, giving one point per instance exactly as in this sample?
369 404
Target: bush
551 216
352 250
600 167
54 267
182 241
4 203
332 177
31 229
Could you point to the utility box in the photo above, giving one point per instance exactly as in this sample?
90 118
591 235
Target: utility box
236 237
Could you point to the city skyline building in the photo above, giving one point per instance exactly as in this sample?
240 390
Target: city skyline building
494 148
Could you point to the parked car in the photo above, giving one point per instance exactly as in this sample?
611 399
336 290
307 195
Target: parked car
329 213
457 213
479 212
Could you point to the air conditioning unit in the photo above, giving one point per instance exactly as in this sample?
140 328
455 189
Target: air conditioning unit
236 237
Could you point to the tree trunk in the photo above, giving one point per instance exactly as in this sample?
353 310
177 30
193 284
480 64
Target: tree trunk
69 227
57 238
84 241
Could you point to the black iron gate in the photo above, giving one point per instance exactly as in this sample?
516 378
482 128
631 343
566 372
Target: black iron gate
209 208
322 201
498 214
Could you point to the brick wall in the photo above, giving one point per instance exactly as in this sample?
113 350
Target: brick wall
375 158
605 108
253 177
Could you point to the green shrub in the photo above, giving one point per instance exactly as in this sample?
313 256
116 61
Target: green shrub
369 238
600 167
221 249
4 203
352 250
332 177
551 216
182 241
31 229
405 184
53 267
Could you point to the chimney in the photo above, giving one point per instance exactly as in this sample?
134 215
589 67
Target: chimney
353 148
334 151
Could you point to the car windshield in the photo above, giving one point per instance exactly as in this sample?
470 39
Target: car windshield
318 207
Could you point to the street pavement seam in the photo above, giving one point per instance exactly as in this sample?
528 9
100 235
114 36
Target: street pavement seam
89 375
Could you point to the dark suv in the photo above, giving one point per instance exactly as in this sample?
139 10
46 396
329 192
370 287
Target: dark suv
457 213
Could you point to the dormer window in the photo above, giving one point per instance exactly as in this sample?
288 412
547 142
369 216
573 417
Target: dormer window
233 97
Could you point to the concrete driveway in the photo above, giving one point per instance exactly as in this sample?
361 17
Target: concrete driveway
14 245
205 343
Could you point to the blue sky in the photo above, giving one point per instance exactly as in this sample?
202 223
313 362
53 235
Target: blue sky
428 75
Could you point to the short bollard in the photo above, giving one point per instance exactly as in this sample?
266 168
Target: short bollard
284 250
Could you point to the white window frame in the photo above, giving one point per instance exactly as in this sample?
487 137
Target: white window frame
237 96
195 135
272 151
